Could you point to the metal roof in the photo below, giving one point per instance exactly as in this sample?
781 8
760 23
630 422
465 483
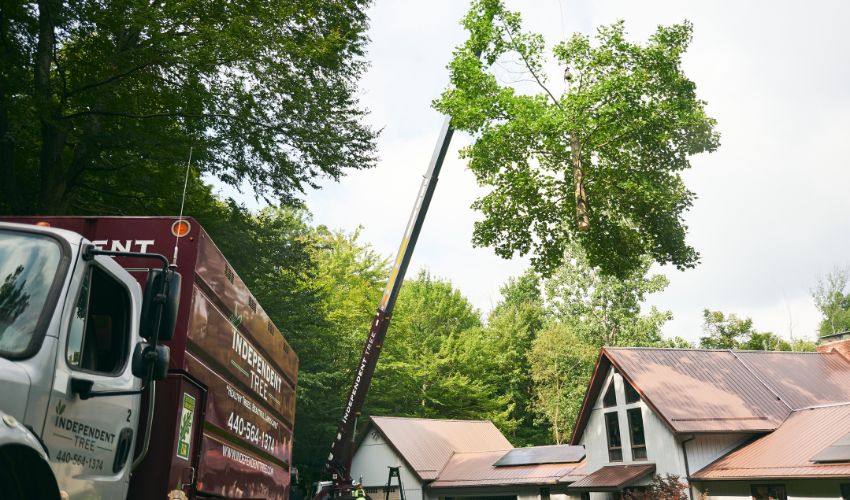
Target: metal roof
802 379
838 451
477 469
428 444
553 454
789 450
613 477
699 390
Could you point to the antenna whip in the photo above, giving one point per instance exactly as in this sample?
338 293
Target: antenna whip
182 203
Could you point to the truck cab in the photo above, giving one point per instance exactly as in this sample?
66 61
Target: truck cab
69 329
91 315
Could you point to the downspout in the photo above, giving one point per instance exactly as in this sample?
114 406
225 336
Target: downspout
687 467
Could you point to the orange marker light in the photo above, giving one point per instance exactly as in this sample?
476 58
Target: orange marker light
43 224
180 228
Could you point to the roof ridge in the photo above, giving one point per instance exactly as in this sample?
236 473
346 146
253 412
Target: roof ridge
445 464
761 381
648 348
818 407
433 419
699 349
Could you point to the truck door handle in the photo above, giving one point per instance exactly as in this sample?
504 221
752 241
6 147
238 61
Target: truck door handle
122 449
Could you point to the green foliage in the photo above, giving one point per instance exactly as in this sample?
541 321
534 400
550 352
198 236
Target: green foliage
832 298
586 310
618 137
603 310
417 374
731 332
348 281
764 341
803 345
724 332
512 328
561 366
677 343
104 99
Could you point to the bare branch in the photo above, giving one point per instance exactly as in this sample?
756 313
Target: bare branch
111 79
528 66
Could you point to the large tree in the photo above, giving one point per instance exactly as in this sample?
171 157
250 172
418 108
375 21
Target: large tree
561 365
417 375
599 163
106 98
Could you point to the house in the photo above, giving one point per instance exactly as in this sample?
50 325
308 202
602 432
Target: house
731 424
469 459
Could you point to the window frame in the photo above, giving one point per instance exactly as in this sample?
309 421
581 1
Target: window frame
637 411
610 390
608 428
128 296
629 387
52 297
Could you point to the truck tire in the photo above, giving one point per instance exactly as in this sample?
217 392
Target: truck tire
24 475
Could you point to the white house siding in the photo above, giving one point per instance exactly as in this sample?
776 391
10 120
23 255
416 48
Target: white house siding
371 462
796 489
706 448
662 448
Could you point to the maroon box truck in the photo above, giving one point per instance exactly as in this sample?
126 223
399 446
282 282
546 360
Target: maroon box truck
223 415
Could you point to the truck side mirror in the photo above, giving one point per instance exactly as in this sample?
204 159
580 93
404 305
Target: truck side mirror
154 358
160 290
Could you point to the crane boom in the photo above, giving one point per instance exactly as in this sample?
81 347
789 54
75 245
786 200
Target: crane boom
339 460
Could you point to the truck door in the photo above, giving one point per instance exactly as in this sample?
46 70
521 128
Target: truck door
91 441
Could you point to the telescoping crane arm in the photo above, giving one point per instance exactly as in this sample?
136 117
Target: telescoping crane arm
339 460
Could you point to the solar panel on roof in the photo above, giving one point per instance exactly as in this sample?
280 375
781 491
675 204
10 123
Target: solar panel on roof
535 455
838 451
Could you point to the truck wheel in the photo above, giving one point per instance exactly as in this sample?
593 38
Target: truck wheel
24 475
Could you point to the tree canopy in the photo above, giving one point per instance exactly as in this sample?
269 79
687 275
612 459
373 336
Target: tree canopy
104 99
832 298
604 310
598 164
724 331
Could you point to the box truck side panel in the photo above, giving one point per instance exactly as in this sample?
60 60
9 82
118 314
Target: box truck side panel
231 295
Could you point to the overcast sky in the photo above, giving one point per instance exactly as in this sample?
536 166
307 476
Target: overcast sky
772 210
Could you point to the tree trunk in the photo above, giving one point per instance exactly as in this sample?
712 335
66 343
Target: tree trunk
582 218
52 196
7 158
7 166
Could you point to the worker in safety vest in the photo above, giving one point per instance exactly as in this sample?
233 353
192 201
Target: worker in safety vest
358 491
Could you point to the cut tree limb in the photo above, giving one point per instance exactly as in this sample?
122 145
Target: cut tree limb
582 219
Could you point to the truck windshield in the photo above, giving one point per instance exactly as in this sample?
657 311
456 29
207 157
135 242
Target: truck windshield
28 268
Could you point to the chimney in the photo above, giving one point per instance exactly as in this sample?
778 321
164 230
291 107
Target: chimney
839 342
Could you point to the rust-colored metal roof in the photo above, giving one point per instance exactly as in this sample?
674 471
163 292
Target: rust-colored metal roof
477 469
802 379
699 390
613 477
428 444
788 451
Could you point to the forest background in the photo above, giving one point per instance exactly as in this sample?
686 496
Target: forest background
100 103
